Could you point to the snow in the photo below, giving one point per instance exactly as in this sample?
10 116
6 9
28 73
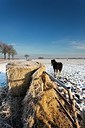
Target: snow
3 74
73 71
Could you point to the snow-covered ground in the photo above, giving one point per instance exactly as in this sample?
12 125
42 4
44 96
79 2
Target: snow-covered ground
3 74
73 70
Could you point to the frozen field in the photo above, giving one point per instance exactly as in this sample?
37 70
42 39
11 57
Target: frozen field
73 70
3 74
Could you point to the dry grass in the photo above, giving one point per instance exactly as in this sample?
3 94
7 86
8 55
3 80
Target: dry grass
32 102
41 109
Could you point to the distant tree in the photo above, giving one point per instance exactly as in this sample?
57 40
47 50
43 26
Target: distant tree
13 52
41 57
0 47
26 56
7 50
3 49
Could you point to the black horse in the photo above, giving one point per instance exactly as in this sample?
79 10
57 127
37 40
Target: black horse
57 66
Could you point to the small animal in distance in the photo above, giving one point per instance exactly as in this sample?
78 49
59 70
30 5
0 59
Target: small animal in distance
57 67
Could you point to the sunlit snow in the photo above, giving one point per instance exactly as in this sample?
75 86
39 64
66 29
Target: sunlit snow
3 74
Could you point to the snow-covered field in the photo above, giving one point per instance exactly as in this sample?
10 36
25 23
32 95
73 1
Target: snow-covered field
73 70
3 74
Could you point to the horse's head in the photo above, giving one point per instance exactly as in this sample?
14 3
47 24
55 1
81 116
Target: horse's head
53 61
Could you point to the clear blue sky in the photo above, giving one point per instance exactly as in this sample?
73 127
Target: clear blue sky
44 27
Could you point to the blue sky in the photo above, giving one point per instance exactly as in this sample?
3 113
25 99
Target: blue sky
44 27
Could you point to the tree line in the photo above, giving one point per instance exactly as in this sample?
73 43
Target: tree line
7 50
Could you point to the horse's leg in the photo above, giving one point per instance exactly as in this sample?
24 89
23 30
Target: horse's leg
59 74
54 73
